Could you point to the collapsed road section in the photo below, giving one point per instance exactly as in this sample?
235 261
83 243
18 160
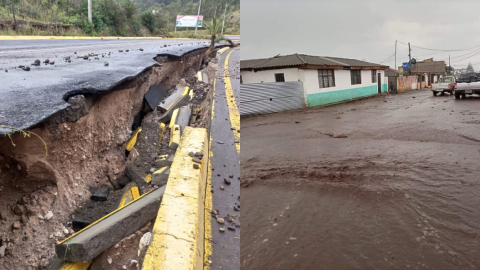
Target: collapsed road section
59 184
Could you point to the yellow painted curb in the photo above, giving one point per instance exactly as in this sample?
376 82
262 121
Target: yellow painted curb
160 170
104 217
129 196
133 140
75 266
208 198
184 93
162 128
232 104
221 51
175 135
148 178
173 119
178 233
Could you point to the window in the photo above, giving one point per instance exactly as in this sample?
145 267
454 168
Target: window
279 77
241 79
356 76
374 76
449 80
326 78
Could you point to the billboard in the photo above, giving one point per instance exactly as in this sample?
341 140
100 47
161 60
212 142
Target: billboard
189 21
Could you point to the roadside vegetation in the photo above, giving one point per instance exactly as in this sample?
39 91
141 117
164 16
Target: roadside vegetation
111 17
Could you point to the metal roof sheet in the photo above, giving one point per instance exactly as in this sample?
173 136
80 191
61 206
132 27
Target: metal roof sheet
293 60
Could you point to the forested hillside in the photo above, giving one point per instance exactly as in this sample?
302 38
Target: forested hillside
110 17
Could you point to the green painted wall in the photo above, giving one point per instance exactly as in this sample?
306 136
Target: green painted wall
324 98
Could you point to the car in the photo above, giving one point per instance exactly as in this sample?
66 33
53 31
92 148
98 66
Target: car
469 77
444 84
461 89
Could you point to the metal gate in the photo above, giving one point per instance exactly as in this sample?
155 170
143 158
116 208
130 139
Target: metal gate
263 98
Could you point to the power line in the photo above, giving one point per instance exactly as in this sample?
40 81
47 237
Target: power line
389 58
467 57
443 50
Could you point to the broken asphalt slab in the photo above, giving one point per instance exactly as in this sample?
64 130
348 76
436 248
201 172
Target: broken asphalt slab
93 240
28 98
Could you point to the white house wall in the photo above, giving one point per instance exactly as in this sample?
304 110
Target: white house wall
290 74
343 89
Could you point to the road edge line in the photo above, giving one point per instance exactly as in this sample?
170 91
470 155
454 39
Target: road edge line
178 232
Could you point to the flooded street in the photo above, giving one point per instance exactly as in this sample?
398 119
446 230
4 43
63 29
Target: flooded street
388 182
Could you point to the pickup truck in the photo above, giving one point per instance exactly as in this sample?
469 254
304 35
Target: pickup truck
444 84
466 88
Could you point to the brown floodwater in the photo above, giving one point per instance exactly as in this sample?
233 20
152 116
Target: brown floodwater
391 182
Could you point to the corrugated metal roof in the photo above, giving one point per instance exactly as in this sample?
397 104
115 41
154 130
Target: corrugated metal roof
294 60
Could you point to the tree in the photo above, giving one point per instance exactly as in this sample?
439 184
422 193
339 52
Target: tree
470 67
148 20
13 7
449 70
212 28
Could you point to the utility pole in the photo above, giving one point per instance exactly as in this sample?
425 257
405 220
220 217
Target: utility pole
90 11
395 55
409 59
224 14
198 16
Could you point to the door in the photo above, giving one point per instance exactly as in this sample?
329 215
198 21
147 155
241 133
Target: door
379 82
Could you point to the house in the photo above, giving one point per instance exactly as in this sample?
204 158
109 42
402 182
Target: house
325 80
428 71
391 76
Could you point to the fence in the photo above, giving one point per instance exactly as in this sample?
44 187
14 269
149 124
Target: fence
263 98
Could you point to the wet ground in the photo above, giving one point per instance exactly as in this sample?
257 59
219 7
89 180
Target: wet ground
389 182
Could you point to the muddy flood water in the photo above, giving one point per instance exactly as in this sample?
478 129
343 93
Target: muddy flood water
389 182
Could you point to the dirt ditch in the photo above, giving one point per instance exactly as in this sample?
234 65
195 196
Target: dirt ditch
86 148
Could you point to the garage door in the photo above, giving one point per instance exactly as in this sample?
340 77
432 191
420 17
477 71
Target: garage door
263 98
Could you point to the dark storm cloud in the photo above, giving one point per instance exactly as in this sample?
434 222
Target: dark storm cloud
361 29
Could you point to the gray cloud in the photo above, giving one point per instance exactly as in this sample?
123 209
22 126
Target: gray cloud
365 29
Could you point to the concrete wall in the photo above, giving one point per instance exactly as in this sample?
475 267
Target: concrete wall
407 83
290 74
343 90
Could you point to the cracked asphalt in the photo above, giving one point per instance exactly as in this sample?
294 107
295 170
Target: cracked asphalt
29 97
387 182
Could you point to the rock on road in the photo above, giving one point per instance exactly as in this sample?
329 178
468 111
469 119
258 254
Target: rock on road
28 97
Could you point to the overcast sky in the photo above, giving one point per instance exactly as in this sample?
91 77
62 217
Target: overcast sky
363 29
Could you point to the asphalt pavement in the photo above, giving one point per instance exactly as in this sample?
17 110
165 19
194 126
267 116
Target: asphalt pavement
29 97
225 165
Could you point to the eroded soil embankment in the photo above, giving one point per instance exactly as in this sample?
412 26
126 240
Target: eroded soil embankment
84 153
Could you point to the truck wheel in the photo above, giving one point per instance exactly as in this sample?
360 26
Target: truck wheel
434 93
457 96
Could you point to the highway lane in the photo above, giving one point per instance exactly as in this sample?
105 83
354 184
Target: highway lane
29 97
223 247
